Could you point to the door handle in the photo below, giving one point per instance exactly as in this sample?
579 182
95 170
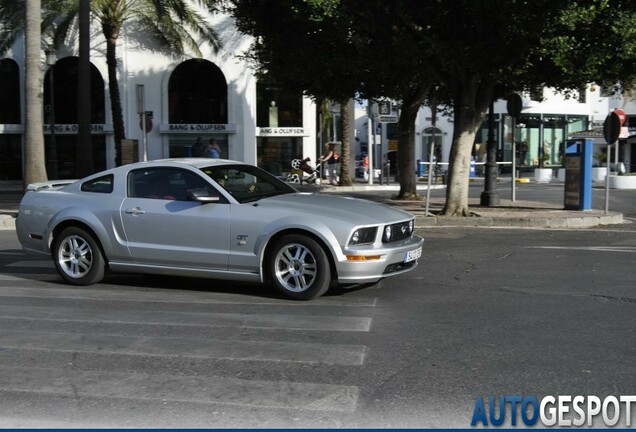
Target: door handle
135 211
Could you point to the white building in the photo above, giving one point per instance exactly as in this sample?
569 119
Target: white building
215 97
542 129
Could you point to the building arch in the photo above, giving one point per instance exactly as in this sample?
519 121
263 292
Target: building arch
197 93
10 114
60 117
9 92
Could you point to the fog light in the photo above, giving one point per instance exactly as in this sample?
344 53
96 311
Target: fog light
363 257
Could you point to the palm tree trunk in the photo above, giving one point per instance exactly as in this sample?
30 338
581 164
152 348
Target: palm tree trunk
115 97
35 167
84 155
345 116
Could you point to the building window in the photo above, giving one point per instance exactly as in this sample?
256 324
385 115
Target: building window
64 112
277 108
65 93
197 93
10 145
275 155
9 92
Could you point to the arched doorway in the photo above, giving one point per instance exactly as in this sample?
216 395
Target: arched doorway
197 94
10 118
60 111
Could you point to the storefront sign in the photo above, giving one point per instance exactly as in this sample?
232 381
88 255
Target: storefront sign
70 129
280 131
187 128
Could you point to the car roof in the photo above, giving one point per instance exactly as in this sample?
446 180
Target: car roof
194 162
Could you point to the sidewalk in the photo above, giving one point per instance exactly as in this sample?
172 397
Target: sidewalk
523 214
520 214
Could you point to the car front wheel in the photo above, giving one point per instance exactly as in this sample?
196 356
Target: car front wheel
77 256
299 267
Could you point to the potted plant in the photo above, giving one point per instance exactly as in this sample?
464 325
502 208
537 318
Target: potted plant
599 166
543 174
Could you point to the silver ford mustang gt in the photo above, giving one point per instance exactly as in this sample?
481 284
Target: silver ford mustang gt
214 218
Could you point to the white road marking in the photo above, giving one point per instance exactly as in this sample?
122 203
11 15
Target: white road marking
628 249
172 388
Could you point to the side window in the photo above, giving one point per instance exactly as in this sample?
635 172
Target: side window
163 183
99 185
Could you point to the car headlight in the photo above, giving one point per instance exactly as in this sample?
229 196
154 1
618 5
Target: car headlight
363 235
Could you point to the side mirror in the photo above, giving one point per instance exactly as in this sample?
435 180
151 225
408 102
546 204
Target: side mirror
201 195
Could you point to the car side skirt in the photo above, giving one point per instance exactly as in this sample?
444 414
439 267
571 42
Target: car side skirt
121 267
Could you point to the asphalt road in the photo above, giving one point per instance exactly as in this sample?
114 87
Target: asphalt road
487 312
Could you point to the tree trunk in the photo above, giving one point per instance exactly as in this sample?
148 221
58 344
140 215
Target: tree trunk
345 116
35 166
411 103
84 155
470 106
115 97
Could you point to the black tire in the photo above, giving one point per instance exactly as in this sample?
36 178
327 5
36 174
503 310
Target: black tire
78 257
299 267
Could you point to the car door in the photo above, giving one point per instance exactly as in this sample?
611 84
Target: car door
164 228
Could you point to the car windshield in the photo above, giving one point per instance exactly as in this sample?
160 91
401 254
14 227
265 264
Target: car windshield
246 182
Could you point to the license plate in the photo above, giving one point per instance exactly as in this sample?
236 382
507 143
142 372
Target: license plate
412 255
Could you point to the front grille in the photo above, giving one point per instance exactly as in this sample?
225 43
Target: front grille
398 231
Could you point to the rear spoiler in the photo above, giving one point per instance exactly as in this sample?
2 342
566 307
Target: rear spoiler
49 185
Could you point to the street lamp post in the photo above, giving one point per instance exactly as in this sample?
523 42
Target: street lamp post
51 59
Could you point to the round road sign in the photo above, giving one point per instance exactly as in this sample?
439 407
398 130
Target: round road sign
611 127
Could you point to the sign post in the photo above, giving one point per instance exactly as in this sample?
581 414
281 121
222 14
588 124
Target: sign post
611 131
513 105
141 110
385 115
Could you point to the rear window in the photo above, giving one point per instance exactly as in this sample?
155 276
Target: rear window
99 185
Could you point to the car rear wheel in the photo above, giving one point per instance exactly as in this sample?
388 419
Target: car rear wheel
299 267
77 256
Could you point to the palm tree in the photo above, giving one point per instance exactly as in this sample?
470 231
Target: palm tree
35 168
345 117
173 24
12 17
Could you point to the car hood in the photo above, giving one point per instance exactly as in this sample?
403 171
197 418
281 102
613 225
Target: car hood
357 211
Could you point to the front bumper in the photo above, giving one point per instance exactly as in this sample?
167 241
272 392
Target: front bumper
390 262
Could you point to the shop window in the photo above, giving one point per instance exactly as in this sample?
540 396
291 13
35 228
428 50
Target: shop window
62 109
277 108
276 154
197 93
9 92
10 157
428 135
10 144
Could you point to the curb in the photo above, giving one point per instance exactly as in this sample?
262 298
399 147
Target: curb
422 221
7 222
